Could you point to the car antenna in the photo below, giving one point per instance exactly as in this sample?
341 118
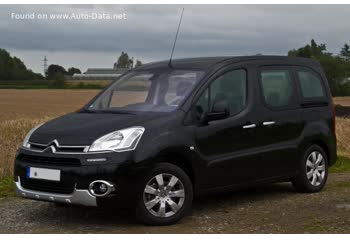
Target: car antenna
177 32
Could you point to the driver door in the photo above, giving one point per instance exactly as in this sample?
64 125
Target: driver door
227 145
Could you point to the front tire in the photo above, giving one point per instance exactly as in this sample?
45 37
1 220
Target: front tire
313 171
165 195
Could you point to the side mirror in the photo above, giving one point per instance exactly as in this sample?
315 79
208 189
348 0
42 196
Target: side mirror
218 112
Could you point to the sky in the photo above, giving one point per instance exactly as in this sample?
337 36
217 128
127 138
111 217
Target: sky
147 32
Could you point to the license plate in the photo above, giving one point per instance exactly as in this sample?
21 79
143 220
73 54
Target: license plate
44 173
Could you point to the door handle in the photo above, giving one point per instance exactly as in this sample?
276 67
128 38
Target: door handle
249 126
268 123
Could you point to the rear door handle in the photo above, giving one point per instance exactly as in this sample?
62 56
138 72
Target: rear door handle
268 123
249 126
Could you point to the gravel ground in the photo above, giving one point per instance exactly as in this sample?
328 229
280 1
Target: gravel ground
271 209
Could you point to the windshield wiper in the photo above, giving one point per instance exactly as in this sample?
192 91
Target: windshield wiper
85 110
116 112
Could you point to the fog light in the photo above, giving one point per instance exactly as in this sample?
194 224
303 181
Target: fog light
101 188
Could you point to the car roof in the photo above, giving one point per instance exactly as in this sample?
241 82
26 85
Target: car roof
203 63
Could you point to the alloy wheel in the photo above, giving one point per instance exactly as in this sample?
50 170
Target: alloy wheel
164 195
315 168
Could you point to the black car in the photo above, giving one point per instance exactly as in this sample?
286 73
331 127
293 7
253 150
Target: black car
163 133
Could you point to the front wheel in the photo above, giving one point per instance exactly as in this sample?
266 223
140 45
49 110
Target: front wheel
165 196
313 171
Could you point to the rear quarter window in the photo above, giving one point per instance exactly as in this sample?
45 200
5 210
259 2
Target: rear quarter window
311 84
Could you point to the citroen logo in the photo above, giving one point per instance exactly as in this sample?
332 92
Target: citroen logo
53 145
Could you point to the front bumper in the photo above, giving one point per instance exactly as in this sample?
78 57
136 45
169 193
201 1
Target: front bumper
75 179
79 196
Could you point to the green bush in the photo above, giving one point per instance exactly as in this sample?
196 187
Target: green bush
82 85
7 187
59 82
344 89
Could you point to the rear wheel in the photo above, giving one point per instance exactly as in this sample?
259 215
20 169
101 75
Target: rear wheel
313 170
165 196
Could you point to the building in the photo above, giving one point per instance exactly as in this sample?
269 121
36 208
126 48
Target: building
100 74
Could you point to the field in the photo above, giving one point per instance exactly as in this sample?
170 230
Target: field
20 110
261 210
344 101
36 104
45 84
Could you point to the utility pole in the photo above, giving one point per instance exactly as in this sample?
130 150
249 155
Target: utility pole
45 66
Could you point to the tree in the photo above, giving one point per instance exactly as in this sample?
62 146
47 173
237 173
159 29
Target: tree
312 50
12 68
336 68
124 61
73 70
54 70
345 51
138 63
131 63
58 81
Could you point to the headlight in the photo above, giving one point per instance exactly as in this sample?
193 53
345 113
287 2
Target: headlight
26 139
119 141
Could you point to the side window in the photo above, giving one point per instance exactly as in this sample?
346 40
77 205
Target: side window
180 84
277 87
230 87
310 84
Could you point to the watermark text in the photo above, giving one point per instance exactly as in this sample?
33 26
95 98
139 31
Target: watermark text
69 16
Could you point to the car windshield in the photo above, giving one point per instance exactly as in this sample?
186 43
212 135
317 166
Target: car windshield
147 91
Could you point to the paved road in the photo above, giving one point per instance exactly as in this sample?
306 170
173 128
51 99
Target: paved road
271 209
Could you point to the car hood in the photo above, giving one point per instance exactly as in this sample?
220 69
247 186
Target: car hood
85 128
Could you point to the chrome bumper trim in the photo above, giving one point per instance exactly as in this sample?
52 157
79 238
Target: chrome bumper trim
80 197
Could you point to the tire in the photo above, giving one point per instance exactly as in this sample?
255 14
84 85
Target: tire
313 171
167 203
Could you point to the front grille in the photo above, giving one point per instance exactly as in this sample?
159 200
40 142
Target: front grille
47 186
57 148
50 160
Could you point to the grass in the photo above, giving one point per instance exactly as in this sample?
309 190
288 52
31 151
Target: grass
316 226
343 185
342 165
343 146
7 187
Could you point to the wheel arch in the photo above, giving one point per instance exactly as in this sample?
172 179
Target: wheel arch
319 142
180 160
